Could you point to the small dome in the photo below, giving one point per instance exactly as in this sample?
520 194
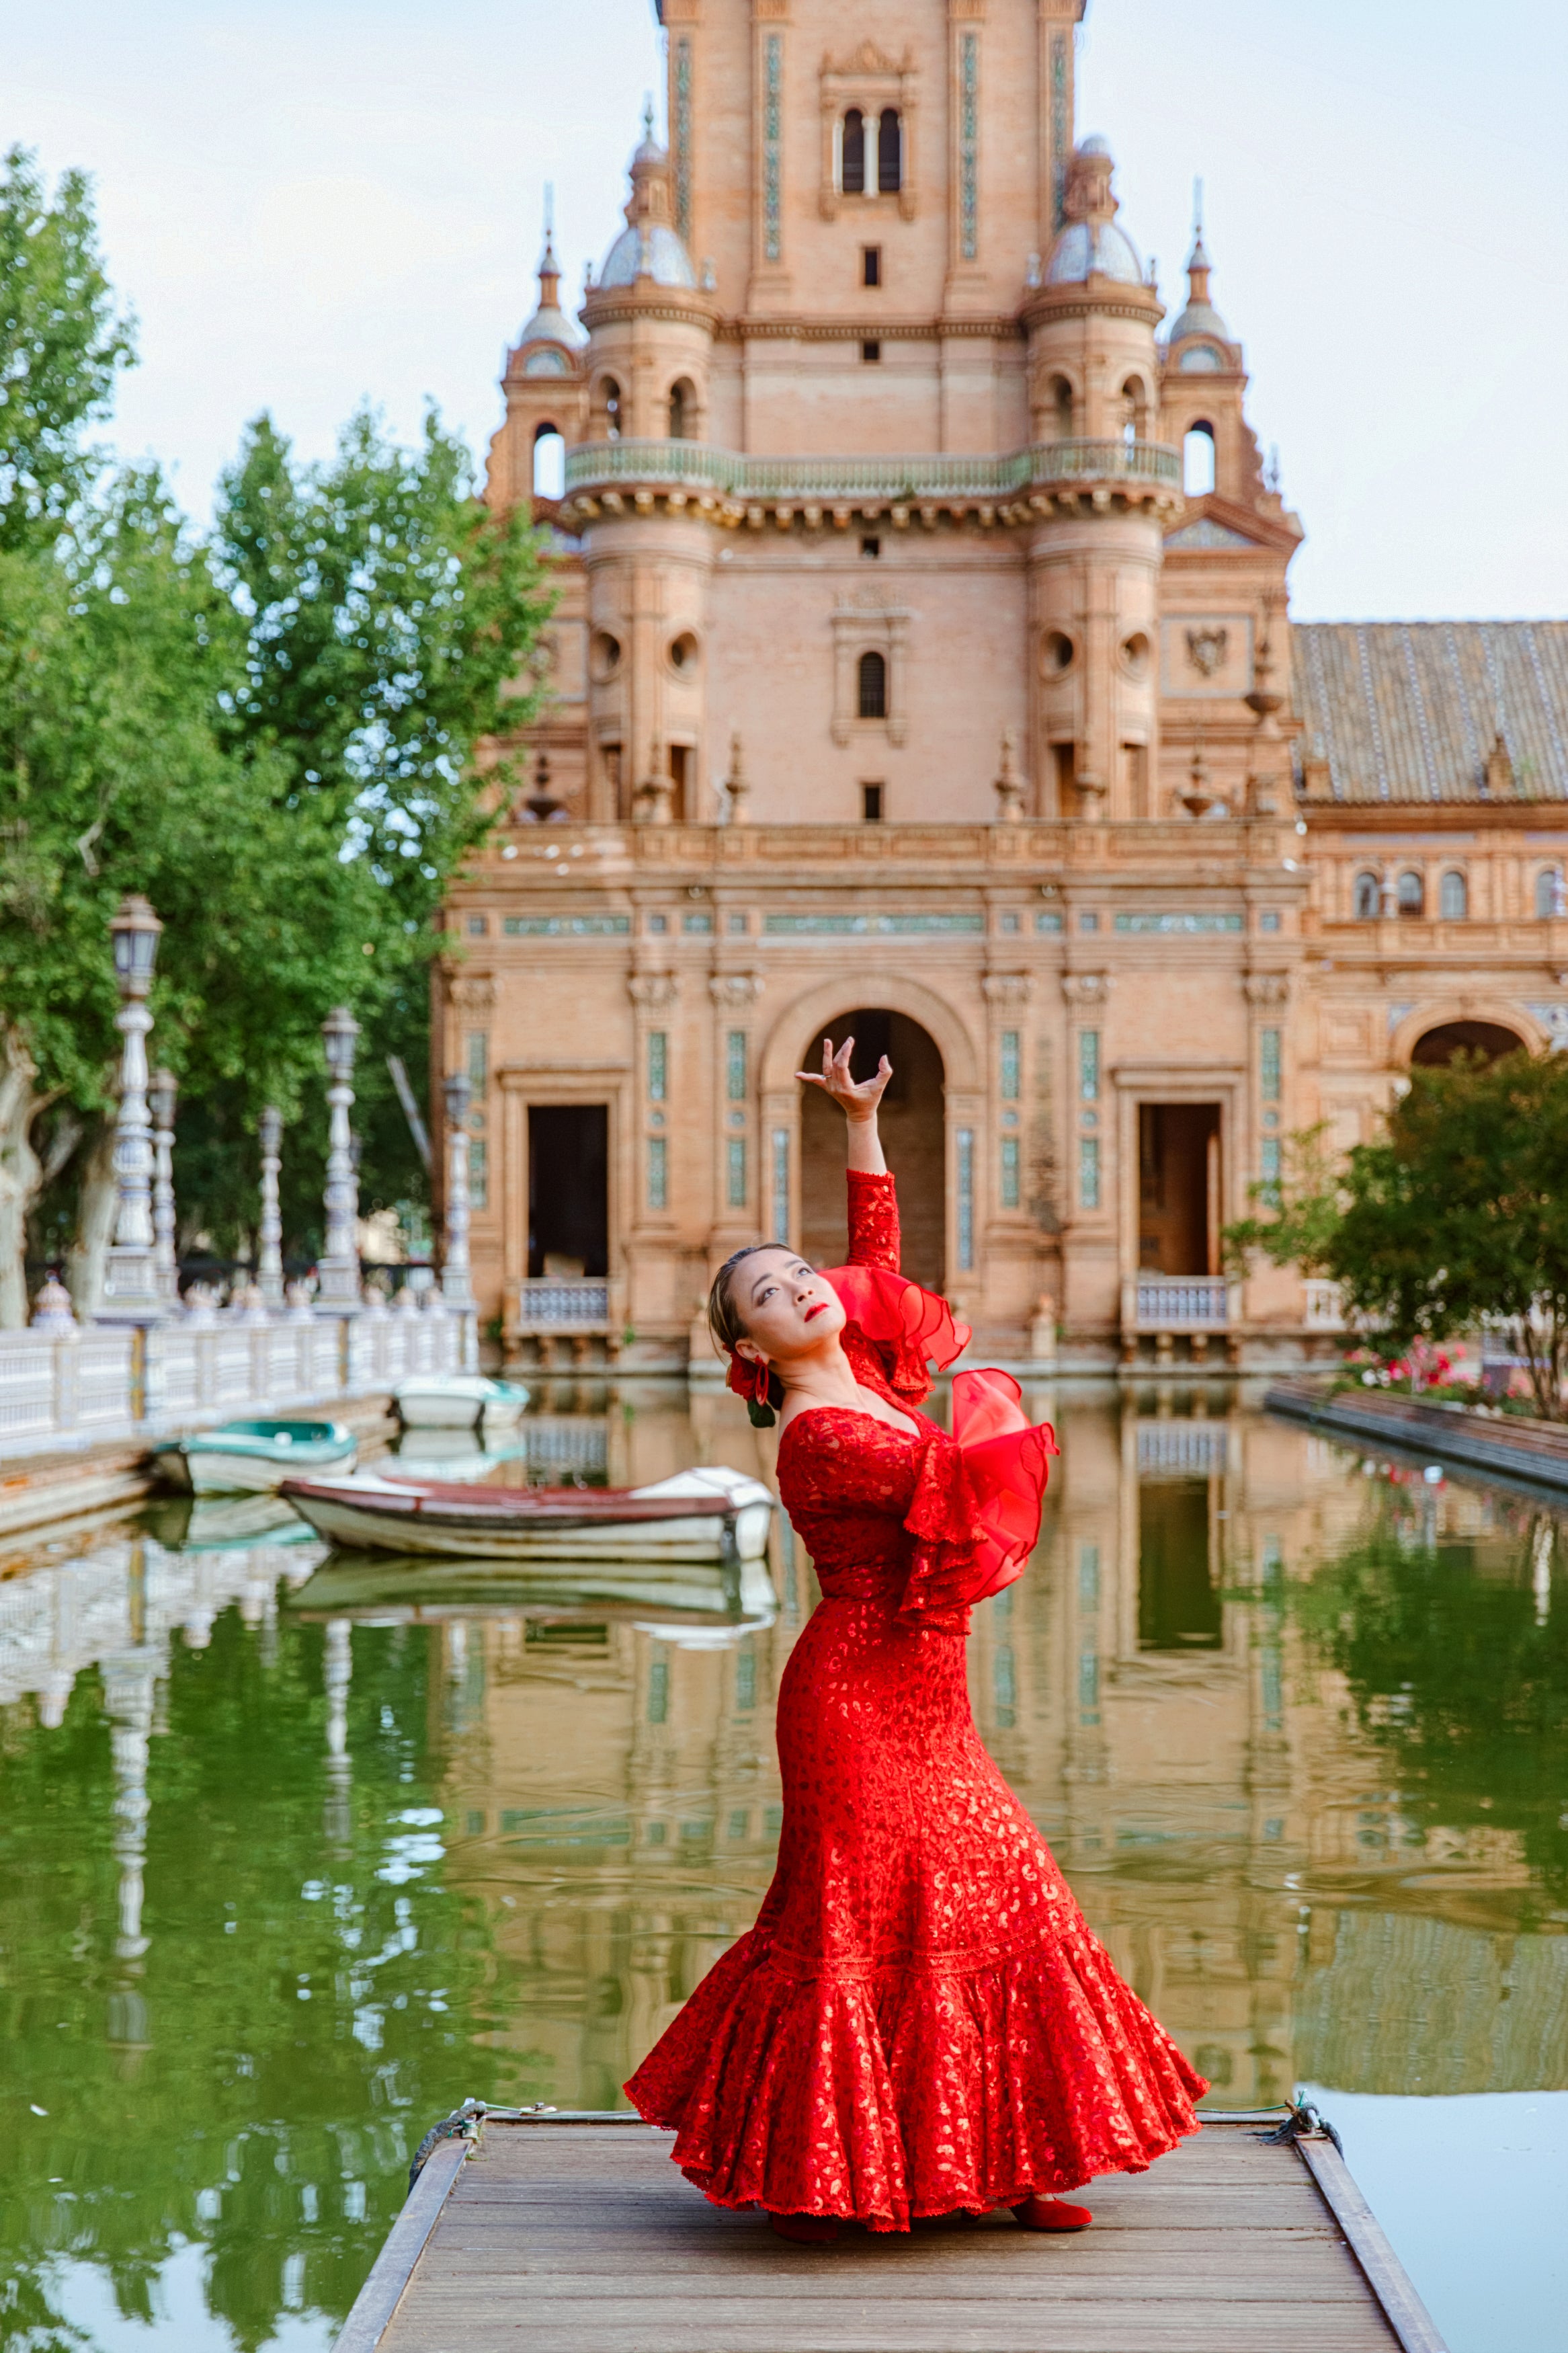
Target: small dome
1200 319
1095 146
650 251
1093 249
550 325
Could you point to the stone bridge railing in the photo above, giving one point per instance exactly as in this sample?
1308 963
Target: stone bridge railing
104 1383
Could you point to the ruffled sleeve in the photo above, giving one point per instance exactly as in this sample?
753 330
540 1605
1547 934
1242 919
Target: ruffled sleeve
904 1329
873 1222
976 1510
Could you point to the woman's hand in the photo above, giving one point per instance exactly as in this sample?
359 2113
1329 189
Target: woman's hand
858 1102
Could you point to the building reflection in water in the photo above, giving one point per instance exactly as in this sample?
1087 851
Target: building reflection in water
1294 1725
1298 1889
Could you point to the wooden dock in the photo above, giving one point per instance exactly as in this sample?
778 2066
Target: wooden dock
573 2233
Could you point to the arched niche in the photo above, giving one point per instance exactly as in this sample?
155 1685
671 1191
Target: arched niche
913 1131
1490 1026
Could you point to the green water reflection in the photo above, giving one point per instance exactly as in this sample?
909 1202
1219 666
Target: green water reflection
290 1860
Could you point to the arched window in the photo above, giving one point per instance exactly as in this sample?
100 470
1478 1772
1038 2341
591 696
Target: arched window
872 680
890 152
1550 897
1412 893
852 154
1134 411
610 395
1368 898
1454 898
549 462
683 410
1198 461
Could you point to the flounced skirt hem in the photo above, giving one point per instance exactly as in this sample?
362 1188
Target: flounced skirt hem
880 2094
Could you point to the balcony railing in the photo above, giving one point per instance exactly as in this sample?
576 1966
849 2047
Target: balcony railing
1325 1309
1180 1304
599 467
563 1312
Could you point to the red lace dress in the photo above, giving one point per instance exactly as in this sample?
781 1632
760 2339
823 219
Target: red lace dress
920 2020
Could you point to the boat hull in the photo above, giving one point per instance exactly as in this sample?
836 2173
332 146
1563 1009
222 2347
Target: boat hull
220 1473
457 1401
707 1538
254 1458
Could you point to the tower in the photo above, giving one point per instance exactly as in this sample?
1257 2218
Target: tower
1227 560
650 331
1101 496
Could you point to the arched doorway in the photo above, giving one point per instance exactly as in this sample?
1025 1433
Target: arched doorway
913 1136
1451 1038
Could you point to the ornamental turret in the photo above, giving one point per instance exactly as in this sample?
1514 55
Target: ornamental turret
1105 488
649 558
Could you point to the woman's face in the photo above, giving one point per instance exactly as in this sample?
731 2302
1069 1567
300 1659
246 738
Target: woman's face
787 1308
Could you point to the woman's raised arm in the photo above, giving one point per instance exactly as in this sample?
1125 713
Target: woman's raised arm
873 1205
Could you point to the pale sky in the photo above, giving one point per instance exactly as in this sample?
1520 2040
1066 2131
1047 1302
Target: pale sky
307 201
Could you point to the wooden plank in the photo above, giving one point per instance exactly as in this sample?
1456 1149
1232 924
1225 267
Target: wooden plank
1408 2317
377 2301
576 2235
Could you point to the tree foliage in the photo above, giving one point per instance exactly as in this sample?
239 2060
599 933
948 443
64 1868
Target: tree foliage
1304 1205
61 347
271 735
1458 1212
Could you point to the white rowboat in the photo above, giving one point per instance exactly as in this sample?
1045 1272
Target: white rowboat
713 1515
253 1457
457 1400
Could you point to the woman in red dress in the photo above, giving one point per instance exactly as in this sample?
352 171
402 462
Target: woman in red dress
920 2022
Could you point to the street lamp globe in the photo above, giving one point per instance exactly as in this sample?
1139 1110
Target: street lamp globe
339 1033
135 932
460 1093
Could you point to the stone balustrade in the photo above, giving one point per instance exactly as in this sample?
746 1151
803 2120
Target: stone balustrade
106 1383
1178 1303
570 1309
1323 1309
730 487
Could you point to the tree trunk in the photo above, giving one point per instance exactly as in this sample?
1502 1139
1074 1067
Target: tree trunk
94 1226
20 1176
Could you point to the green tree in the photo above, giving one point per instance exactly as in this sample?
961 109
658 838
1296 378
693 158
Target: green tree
1460 1211
274 736
1304 1205
61 347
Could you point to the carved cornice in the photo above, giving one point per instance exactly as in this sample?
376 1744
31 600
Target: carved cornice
1266 987
735 990
1085 989
655 991
471 992
1007 988
999 327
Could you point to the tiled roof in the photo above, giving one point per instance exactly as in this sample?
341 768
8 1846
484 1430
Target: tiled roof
1410 710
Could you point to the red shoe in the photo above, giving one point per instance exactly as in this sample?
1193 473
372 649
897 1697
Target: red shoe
805 2230
1051 2214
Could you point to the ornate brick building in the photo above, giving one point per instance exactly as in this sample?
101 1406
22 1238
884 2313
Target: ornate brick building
922 662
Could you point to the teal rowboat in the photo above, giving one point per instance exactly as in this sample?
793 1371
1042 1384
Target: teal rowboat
254 1457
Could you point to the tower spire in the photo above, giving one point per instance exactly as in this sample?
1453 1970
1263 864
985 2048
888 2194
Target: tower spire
1198 263
549 268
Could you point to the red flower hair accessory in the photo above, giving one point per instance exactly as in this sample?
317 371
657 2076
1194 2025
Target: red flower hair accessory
758 1385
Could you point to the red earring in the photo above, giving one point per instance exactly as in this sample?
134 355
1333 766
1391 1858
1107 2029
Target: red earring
752 1381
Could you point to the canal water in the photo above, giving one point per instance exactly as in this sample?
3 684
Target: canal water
295 1854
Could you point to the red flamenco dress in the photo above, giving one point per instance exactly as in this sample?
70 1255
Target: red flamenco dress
921 2021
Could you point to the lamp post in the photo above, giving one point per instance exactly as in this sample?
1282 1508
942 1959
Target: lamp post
132 1290
338 1265
269 1255
455 1287
162 1096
